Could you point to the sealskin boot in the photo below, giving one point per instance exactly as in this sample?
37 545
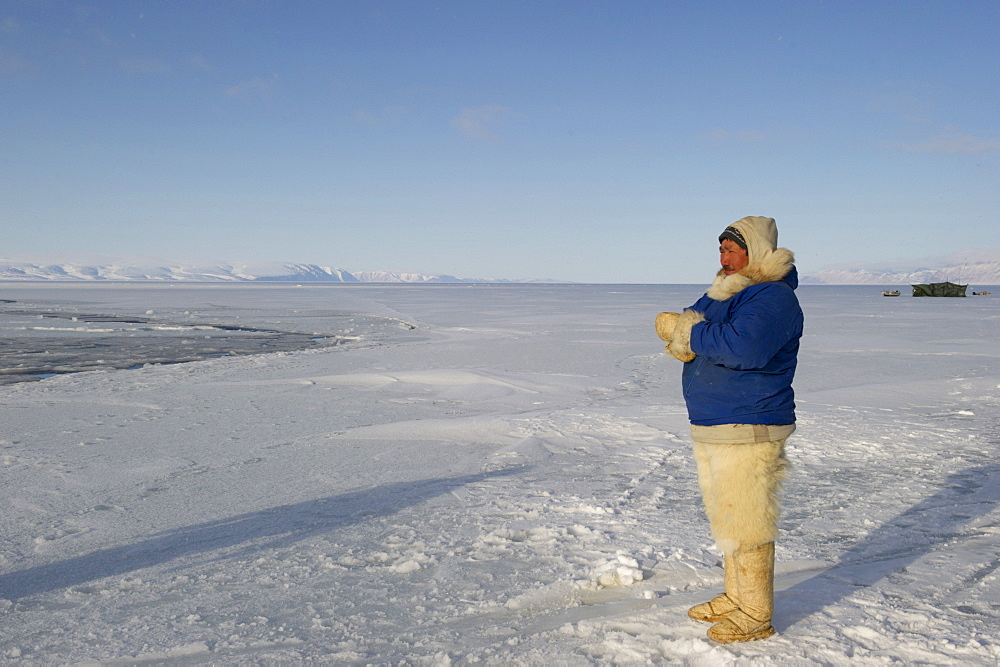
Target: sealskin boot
755 581
721 605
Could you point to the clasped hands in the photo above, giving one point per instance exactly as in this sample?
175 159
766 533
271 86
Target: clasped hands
675 329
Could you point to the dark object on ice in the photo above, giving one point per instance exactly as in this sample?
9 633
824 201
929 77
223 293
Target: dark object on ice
894 292
940 289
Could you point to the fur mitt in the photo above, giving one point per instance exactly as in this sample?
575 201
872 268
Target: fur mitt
665 324
680 342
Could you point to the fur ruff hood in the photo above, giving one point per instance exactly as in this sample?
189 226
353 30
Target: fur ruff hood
774 266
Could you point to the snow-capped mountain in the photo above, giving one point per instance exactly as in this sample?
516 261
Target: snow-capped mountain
305 273
967 267
95 267
403 277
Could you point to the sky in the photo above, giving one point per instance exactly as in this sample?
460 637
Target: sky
582 140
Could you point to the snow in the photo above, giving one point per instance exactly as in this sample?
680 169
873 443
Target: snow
496 474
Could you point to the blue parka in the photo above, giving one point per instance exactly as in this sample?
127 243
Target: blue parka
747 350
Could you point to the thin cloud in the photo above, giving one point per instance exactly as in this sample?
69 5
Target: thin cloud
723 135
11 63
778 135
145 66
910 100
251 91
365 117
199 61
481 122
951 142
103 37
389 116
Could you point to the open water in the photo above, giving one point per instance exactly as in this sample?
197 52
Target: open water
48 330
40 343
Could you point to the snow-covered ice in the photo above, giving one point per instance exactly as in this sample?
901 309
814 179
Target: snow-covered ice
496 474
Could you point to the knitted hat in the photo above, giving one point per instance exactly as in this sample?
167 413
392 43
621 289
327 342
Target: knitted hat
733 235
757 235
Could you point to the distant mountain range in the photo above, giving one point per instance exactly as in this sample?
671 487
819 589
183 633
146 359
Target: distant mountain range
966 268
101 268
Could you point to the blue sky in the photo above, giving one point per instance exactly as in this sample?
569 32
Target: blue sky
578 140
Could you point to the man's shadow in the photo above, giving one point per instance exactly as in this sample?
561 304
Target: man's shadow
920 530
285 524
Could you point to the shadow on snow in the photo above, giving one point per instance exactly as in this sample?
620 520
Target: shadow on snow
285 525
928 526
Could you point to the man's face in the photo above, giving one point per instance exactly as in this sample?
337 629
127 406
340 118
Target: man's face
732 257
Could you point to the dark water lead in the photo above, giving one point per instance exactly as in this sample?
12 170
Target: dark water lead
28 357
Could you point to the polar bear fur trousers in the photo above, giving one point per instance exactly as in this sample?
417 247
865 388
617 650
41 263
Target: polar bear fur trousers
741 486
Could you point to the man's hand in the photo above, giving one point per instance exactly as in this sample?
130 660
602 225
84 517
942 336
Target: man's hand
665 325
680 342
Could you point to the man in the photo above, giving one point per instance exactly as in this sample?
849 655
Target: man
739 344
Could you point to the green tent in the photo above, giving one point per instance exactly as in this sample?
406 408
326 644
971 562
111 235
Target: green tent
939 289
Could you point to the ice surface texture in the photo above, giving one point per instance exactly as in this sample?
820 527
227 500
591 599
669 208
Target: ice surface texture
495 474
